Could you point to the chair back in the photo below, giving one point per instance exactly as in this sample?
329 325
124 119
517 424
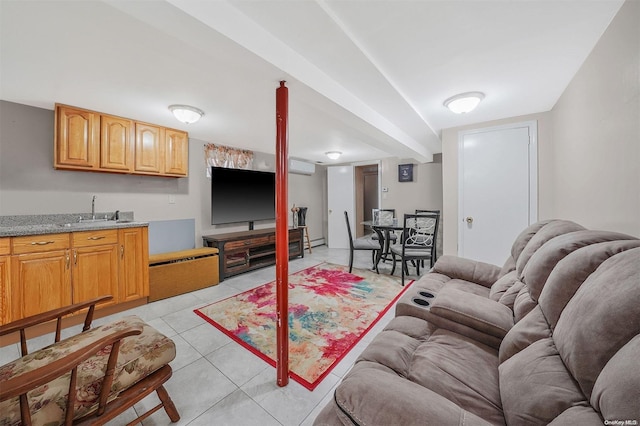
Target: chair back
420 231
419 211
346 218
383 216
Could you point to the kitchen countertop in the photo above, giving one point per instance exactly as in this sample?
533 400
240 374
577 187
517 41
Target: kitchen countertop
18 226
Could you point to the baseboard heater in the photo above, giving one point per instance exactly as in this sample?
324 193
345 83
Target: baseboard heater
178 272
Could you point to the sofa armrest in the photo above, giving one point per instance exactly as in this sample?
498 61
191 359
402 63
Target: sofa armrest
376 397
469 270
469 310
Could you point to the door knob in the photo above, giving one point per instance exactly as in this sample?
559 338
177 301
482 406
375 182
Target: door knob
469 220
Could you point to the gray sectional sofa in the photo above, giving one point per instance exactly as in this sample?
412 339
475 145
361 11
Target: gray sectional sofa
552 337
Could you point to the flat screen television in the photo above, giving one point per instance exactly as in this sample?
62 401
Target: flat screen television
239 195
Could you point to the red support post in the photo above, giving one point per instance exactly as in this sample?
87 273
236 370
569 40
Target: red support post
282 235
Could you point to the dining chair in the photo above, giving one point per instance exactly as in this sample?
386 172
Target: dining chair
419 211
385 216
363 243
418 242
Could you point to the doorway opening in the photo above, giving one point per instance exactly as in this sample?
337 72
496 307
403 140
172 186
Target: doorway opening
366 195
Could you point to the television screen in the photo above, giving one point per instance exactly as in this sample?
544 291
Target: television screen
239 195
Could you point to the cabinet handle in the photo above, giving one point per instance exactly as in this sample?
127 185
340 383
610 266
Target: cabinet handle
94 238
75 257
122 252
41 243
68 258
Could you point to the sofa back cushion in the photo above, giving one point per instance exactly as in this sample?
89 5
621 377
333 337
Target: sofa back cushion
601 318
581 372
547 232
544 260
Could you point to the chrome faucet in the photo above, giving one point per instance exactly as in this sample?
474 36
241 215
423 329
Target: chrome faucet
93 208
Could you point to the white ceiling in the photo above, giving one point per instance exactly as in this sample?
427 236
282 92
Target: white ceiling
367 78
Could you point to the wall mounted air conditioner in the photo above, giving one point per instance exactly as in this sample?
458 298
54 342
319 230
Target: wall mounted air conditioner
301 167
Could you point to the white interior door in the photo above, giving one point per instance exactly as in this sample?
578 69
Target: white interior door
497 189
340 198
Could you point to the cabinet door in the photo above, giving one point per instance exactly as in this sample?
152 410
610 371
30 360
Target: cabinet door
116 143
95 272
39 282
149 148
176 153
77 138
5 290
134 263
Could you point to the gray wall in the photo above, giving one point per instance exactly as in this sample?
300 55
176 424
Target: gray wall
30 185
588 144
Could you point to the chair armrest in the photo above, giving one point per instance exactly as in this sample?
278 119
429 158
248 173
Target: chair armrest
481 273
470 310
55 314
55 361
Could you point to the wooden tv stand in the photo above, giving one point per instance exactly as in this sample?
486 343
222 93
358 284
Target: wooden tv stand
244 251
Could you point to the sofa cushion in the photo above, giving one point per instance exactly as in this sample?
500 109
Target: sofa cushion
500 287
473 271
139 356
546 233
535 386
602 316
523 239
531 328
570 273
438 364
544 260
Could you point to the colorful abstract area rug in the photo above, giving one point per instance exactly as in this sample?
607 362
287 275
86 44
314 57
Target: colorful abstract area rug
330 310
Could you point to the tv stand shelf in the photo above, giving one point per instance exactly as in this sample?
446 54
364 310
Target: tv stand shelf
247 250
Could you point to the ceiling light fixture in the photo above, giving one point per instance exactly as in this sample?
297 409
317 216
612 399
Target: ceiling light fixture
334 155
185 113
464 102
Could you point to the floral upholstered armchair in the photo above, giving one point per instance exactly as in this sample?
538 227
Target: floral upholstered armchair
89 378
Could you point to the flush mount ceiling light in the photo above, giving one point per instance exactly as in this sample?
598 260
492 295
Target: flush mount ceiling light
185 113
334 155
464 102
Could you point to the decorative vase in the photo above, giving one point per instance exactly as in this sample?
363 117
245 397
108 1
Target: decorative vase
302 214
295 220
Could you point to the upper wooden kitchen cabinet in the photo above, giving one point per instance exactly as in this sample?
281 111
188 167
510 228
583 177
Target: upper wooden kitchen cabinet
149 148
176 153
77 138
93 141
116 143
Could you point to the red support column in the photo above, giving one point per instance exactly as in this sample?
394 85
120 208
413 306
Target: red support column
282 235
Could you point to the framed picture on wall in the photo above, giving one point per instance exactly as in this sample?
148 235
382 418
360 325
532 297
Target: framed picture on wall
405 172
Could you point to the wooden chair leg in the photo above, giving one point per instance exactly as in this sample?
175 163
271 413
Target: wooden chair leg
168 404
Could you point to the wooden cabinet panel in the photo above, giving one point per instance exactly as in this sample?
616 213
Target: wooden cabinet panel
76 138
176 153
95 272
40 282
5 246
149 148
116 143
134 261
40 243
5 289
95 238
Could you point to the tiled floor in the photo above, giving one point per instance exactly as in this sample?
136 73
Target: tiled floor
217 382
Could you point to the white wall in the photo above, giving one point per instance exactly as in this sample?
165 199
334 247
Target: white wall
30 185
596 132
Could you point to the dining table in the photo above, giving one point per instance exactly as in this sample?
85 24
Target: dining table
383 230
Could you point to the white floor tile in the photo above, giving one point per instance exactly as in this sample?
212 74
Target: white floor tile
236 409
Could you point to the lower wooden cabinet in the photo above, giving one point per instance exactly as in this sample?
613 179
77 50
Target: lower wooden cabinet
44 272
134 263
40 282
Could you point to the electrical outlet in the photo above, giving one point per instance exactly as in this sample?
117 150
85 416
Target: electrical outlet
385 189
172 199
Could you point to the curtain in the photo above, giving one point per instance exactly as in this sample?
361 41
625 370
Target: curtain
224 156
